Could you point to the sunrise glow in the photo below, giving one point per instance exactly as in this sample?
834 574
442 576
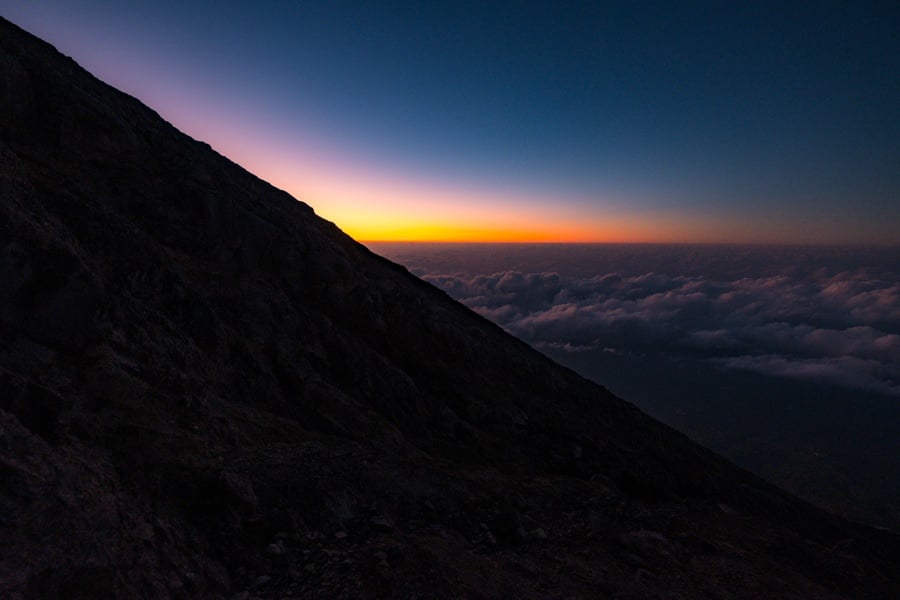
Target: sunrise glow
577 130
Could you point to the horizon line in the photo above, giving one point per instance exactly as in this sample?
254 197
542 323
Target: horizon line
638 243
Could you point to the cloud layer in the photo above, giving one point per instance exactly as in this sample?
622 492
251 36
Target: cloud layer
841 328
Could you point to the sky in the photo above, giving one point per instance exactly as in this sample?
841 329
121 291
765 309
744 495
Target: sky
734 122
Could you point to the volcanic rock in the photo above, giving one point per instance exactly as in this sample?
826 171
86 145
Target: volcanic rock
193 364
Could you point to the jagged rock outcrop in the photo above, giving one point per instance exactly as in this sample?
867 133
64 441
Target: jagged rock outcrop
207 390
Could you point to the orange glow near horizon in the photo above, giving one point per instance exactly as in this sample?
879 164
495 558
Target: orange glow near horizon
400 211
373 203
479 227
421 231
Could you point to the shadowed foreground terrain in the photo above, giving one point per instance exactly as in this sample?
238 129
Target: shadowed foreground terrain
206 390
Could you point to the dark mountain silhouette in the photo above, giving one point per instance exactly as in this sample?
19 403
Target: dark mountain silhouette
206 390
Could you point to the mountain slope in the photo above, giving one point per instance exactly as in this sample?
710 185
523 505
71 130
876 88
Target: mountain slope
206 389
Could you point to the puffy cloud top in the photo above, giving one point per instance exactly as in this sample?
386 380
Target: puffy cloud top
839 327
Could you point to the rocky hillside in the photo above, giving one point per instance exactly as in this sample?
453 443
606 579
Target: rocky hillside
208 391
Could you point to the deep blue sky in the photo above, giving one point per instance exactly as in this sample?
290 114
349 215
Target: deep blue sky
706 121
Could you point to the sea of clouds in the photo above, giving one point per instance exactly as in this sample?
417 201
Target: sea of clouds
837 326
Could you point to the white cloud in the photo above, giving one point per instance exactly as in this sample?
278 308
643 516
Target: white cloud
841 328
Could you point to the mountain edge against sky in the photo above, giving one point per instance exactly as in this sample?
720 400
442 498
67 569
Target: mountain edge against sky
206 390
